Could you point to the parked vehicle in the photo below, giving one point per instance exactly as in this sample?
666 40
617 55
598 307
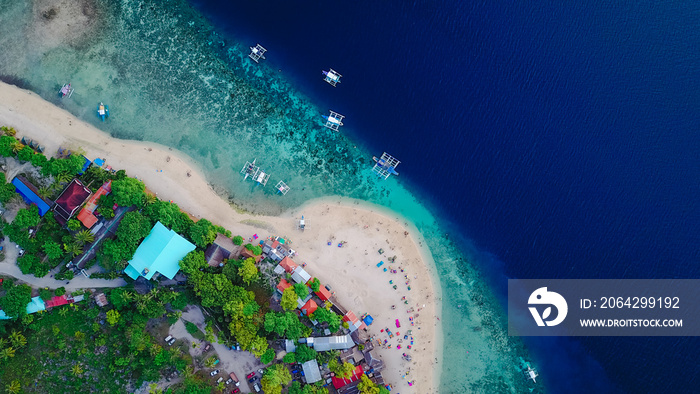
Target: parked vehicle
256 387
207 347
235 391
170 343
168 338
250 375
214 372
234 378
219 380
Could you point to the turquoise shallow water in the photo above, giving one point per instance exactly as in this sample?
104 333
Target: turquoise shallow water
169 78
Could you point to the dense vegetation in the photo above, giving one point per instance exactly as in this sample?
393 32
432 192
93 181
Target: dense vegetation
83 348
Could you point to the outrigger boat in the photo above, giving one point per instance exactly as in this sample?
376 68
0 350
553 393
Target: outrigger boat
332 77
249 169
66 90
103 111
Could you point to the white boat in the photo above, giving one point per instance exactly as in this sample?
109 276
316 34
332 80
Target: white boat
66 90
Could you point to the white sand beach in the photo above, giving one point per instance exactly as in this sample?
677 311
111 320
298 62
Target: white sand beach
351 270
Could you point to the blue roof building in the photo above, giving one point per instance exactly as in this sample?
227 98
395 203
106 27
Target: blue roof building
160 252
30 194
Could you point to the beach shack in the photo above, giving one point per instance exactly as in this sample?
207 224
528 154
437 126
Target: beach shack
286 265
30 194
311 371
309 307
324 344
353 322
247 254
71 198
323 294
87 214
222 249
283 285
339 383
300 275
160 252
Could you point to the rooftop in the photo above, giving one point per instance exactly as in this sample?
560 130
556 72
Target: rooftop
288 264
311 371
160 252
309 308
30 194
70 200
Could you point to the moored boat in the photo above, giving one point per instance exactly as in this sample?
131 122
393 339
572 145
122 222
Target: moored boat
103 111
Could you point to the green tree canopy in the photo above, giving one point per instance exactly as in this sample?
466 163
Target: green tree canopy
289 299
315 284
237 240
248 270
170 215
28 217
15 301
128 191
52 249
26 153
7 190
301 290
203 233
324 315
290 358
268 356
113 317
305 353
274 378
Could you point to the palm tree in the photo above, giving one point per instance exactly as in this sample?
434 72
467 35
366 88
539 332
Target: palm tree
153 389
18 340
63 312
149 199
44 191
77 369
73 248
14 387
188 372
84 237
209 363
3 342
16 147
64 177
7 352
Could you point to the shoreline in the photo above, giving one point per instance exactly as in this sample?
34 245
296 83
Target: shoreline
172 175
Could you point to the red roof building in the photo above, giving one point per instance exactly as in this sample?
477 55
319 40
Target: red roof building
87 218
288 264
356 375
283 285
57 301
353 321
309 308
323 293
70 200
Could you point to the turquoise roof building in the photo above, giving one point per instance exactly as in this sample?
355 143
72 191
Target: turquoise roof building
35 305
160 252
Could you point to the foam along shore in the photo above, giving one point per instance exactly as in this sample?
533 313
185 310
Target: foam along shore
351 270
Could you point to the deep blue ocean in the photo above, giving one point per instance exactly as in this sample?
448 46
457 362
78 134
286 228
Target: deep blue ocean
561 138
